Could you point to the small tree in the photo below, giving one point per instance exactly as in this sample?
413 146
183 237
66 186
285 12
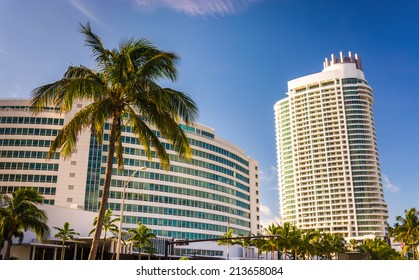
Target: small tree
272 242
259 243
352 245
227 242
65 233
107 226
407 230
141 237
378 249
18 213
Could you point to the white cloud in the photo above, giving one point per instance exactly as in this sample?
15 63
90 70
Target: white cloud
388 185
267 217
198 7
264 210
84 10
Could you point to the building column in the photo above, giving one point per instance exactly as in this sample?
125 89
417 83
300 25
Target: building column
33 252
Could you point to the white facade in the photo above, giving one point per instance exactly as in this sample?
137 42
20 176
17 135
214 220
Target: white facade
217 190
328 165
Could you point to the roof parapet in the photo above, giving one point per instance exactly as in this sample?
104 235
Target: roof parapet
343 59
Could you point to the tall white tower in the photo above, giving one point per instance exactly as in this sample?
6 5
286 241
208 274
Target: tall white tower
328 166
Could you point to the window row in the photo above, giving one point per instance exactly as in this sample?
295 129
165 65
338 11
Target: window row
26 108
40 190
25 142
184 235
197 252
28 166
28 154
28 178
32 120
28 131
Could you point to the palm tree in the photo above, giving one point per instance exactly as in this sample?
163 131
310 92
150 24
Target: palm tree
272 242
108 226
407 230
150 250
378 249
289 236
245 243
65 233
338 244
20 213
306 247
124 92
352 245
141 237
331 244
226 241
259 243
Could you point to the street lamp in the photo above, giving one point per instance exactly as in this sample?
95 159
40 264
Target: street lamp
118 245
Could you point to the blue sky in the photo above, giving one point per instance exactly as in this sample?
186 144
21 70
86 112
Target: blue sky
236 59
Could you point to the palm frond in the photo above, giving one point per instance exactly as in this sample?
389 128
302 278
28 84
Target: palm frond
77 83
171 131
181 105
147 138
67 137
158 65
93 41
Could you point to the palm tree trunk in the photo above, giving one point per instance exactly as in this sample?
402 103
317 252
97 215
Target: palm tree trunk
106 187
103 246
8 247
63 251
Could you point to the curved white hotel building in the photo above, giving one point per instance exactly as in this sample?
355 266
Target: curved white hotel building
328 165
215 191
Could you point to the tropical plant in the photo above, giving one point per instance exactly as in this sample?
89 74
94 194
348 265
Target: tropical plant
271 242
150 250
65 233
352 245
288 239
331 244
20 213
260 243
123 91
245 243
227 241
406 230
378 249
107 226
141 237
305 246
